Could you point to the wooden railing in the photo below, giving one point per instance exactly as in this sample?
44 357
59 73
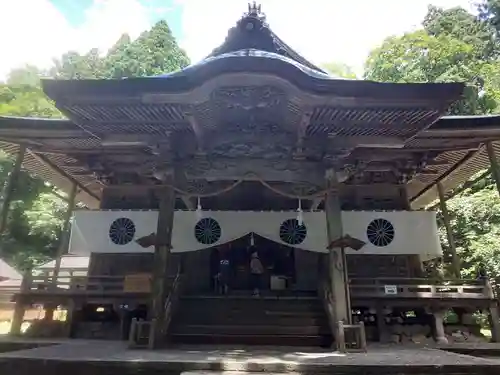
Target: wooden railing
75 284
419 288
8 289
359 287
87 285
142 332
339 328
172 301
326 296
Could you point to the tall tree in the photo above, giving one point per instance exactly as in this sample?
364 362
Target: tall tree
35 219
489 12
459 24
420 57
454 45
341 70
155 52
72 65
21 95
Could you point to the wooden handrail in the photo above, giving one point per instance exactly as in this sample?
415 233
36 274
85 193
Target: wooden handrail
328 303
75 284
413 280
172 299
170 306
420 288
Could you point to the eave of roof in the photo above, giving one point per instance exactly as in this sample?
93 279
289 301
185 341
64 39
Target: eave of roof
48 168
69 91
465 163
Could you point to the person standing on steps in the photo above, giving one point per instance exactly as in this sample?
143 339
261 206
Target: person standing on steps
224 272
256 273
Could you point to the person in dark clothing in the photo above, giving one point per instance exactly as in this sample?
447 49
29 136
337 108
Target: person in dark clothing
256 273
224 275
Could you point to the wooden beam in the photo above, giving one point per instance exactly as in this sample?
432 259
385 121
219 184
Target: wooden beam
316 202
188 202
43 160
250 169
455 262
60 196
65 234
495 171
10 187
464 187
197 130
470 154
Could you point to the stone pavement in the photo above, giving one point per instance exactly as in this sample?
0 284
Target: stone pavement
105 357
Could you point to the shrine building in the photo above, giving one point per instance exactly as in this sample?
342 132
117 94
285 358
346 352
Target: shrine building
183 180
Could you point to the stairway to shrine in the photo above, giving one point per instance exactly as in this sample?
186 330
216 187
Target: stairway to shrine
245 320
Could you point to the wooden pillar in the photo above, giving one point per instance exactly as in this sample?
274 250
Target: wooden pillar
70 318
439 334
381 326
403 194
494 320
455 262
65 234
493 316
159 288
337 263
61 250
10 187
20 308
495 171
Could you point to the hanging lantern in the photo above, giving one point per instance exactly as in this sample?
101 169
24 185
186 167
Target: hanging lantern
300 217
199 213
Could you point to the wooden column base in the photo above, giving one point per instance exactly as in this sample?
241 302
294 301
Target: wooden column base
494 318
17 320
439 334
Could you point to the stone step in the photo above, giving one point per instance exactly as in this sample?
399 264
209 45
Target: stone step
206 372
250 330
261 340
251 305
202 372
278 320
262 313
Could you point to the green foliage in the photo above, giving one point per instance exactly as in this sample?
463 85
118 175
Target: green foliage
459 24
489 12
36 215
154 52
454 45
420 57
337 69
475 218
22 95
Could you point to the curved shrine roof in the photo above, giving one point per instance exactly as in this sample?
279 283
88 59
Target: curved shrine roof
252 75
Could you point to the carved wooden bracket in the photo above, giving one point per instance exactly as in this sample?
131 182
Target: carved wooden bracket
150 240
347 241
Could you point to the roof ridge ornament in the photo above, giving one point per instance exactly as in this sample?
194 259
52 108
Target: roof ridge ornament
255 10
254 19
